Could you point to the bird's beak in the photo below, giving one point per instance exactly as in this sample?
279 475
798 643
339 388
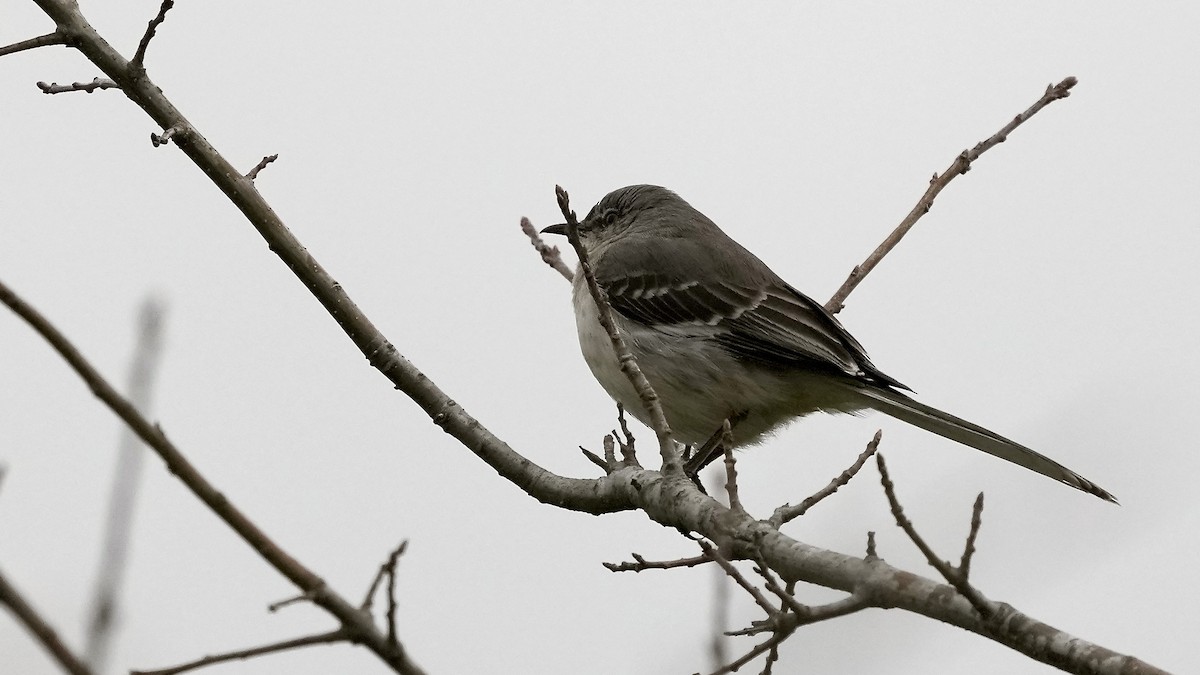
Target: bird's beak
560 228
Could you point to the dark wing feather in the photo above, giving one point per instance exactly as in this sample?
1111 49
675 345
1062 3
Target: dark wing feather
772 323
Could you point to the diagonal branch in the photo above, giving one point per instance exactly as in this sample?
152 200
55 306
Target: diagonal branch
350 616
47 40
959 166
629 365
550 254
788 513
139 57
576 494
27 616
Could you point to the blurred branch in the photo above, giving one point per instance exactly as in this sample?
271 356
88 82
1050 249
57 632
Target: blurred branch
42 632
123 498
959 166
351 618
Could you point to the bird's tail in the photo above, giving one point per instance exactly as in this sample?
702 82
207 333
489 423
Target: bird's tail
944 424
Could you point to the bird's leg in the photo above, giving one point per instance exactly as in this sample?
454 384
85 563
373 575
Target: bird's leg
711 449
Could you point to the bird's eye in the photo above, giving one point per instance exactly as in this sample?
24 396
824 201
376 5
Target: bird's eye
610 216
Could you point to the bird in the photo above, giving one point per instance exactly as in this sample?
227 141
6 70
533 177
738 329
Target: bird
719 335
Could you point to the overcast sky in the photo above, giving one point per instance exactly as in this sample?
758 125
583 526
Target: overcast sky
1051 295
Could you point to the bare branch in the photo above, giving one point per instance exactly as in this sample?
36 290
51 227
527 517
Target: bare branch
713 554
27 616
47 40
139 56
166 136
550 254
392 561
352 619
640 563
964 567
985 607
629 366
787 512
731 488
261 165
339 635
386 568
628 452
89 87
960 165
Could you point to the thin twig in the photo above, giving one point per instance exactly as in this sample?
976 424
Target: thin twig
628 451
550 254
964 567
960 165
89 87
139 56
731 488
392 561
27 616
629 366
47 40
787 512
640 563
981 604
261 165
339 635
288 602
738 578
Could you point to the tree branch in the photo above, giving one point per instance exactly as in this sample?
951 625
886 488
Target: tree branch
339 635
350 616
27 616
139 57
550 254
47 40
959 166
666 443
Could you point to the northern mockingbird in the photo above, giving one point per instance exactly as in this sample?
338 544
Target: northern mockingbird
720 336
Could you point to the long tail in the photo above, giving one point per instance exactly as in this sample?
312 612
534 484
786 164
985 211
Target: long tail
957 429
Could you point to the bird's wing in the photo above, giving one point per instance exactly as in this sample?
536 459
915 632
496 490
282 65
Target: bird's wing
769 322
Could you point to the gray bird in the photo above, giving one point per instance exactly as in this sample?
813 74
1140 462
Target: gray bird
721 336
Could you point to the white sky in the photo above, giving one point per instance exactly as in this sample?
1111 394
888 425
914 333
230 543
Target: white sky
1050 295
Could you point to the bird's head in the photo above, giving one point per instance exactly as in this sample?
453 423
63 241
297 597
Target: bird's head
636 210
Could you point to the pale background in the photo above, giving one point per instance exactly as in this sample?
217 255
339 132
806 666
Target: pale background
1050 295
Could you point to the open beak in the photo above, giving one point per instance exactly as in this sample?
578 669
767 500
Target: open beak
560 228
